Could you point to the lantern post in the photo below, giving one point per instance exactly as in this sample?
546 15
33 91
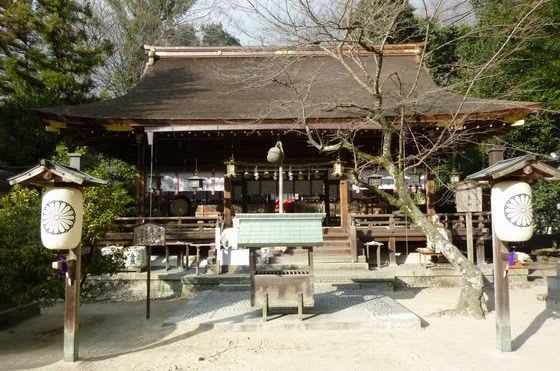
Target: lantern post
512 221
62 212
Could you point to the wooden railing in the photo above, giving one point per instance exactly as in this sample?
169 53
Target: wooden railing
184 228
400 224
473 228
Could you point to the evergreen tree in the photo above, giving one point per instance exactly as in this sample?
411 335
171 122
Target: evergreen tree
46 49
213 34
47 59
530 73
130 25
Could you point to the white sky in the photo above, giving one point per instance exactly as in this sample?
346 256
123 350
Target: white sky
245 27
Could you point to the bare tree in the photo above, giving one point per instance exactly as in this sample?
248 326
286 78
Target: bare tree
356 34
128 25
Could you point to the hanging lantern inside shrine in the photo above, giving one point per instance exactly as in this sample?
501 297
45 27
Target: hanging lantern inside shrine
230 168
338 169
512 211
195 182
62 211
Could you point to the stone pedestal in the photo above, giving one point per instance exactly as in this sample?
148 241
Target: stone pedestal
553 293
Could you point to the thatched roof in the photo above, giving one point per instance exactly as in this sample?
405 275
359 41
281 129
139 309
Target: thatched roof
229 88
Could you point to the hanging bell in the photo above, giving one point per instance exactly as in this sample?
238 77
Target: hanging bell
275 154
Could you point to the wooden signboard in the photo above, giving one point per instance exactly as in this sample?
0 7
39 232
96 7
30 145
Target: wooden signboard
468 197
149 234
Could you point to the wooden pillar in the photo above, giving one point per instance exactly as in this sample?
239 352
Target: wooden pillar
72 305
392 243
430 193
501 294
244 195
392 251
353 242
327 199
344 204
470 244
480 253
228 207
140 174
480 248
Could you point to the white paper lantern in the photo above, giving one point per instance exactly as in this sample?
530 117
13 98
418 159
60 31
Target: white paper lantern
512 211
62 213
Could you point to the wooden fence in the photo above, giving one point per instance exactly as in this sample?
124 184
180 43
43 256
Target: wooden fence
177 229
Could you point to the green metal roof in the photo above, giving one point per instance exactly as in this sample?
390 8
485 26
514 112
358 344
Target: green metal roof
261 230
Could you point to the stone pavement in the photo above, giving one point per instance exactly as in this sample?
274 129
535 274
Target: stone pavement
344 306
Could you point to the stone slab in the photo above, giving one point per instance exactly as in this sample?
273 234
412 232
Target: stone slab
336 307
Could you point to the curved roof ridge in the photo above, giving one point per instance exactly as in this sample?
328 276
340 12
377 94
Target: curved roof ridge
411 49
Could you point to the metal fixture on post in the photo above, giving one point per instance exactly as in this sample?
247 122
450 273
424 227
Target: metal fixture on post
275 155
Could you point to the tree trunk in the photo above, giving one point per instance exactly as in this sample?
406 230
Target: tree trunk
470 298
